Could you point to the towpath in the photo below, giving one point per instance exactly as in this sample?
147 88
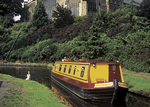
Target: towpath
138 74
5 85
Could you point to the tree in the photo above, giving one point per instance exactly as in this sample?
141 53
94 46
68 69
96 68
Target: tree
11 7
144 9
102 21
62 17
8 21
40 17
8 9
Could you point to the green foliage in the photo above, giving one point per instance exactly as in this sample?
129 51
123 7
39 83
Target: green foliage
62 17
39 51
101 21
124 11
1 19
21 27
69 32
8 21
2 31
135 47
144 9
129 38
86 45
9 7
10 36
40 17
79 20
119 35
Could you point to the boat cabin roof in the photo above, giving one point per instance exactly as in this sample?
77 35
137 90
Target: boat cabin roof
91 61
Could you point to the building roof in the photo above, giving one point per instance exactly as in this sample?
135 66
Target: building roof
128 1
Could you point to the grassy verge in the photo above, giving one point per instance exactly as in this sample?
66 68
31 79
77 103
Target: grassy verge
138 84
28 63
141 73
33 94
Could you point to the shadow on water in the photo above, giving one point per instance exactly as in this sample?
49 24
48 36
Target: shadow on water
78 102
43 76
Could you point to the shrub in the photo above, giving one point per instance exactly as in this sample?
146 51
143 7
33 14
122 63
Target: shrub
39 51
8 21
62 17
80 20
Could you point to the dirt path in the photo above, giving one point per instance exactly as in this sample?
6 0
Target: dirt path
5 85
137 74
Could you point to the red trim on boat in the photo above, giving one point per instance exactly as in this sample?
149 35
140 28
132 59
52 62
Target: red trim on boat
89 79
78 83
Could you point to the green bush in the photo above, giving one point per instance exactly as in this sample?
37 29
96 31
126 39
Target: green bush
86 45
39 51
8 21
62 17
136 65
21 27
79 20
102 21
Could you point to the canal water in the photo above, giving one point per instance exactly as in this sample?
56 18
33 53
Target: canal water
43 76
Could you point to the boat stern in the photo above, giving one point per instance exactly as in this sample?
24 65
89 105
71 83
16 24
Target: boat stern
120 91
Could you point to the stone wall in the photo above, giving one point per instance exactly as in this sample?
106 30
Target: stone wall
77 7
61 2
83 8
50 6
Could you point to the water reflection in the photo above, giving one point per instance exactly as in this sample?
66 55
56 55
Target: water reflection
77 102
39 74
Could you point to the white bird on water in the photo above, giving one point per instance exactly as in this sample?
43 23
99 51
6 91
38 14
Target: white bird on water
28 76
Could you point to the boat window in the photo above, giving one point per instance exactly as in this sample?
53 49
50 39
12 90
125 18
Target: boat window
82 71
65 68
55 66
74 70
69 69
60 67
114 67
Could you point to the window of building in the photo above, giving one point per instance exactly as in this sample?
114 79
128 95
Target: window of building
115 1
110 1
65 68
82 71
60 67
74 70
69 69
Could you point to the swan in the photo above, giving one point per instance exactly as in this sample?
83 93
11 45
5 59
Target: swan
28 76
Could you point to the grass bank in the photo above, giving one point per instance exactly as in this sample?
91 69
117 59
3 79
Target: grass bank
26 64
137 83
33 94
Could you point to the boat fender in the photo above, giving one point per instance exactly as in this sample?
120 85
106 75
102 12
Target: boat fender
115 84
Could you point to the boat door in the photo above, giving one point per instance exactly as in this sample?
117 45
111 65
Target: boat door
114 72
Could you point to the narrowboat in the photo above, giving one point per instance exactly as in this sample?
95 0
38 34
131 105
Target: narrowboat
94 81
